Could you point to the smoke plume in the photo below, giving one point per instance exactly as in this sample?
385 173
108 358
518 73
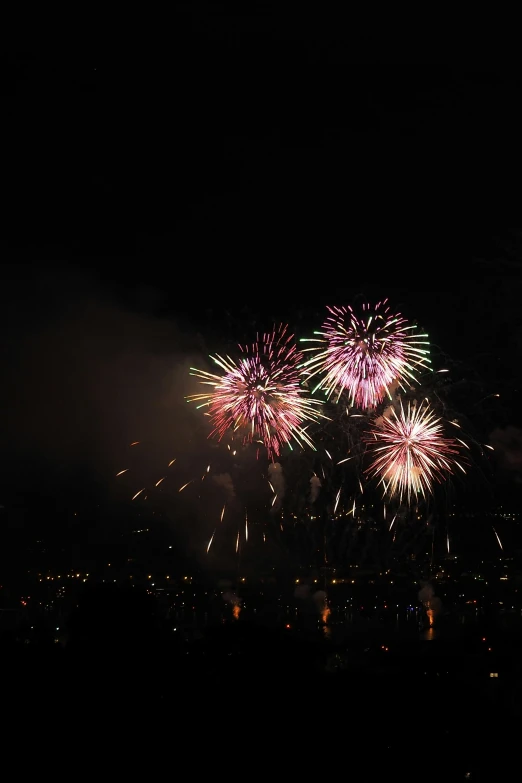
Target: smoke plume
224 480
315 488
432 604
508 447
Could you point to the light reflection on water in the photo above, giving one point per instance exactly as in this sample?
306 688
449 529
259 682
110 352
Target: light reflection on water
339 625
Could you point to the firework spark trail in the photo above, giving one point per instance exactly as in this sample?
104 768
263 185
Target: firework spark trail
498 539
122 472
391 523
411 452
135 443
159 482
364 354
261 394
138 493
185 485
337 500
447 542
210 542
172 461
237 542
223 513
274 500
246 527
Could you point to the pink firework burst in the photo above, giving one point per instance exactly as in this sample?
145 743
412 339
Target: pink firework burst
410 452
260 396
363 355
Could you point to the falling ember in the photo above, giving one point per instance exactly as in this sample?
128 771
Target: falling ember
384 511
223 513
236 611
159 482
135 443
122 472
246 527
264 538
138 493
208 469
431 616
185 485
237 542
361 487
274 500
172 461
210 542
498 539
337 500
391 523
488 447
447 543
328 454
344 460
271 486
325 614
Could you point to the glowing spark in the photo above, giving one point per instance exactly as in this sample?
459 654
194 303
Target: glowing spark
329 454
271 486
344 460
237 542
122 472
361 487
364 354
223 513
384 511
337 500
246 527
261 394
135 443
172 461
274 500
236 610
208 469
391 523
138 493
159 482
447 543
488 447
264 538
353 509
185 485
498 539
410 452
210 542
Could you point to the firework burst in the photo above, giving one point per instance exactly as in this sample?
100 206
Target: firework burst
364 355
260 396
410 452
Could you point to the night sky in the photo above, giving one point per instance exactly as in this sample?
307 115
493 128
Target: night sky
162 206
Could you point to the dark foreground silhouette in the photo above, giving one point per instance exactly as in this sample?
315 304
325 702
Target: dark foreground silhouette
244 701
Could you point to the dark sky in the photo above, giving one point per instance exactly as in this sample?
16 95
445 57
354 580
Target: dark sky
163 202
